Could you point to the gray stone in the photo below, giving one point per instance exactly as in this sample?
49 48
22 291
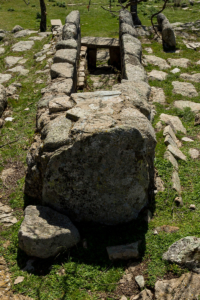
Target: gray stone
12 60
45 34
56 133
176 152
45 233
22 46
169 141
4 77
140 281
186 139
40 58
171 158
2 50
36 38
19 69
159 126
157 95
3 99
74 18
133 73
176 182
149 50
169 131
2 36
179 62
156 61
131 46
65 55
128 251
176 70
178 201
168 35
128 29
184 288
99 42
137 93
17 28
68 44
159 184
185 252
184 88
144 295
192 206
189 77
125 18
64 70
22 33
60 104
174 121
183 104
70 31
194 153
157 75
62 87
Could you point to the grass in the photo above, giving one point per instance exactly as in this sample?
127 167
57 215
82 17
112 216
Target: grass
87 272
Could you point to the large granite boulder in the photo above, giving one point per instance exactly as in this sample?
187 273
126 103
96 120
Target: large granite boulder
3 99
45 233
104 172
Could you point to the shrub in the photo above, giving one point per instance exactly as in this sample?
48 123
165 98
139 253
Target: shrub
38 15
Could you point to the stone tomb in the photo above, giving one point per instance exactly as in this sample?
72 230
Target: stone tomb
93 43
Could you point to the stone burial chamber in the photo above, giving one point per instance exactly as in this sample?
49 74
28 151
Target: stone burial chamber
92 157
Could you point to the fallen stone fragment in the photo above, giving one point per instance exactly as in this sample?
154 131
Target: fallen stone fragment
140 281
17 28
36 38
176 152
22 46
64 70
19 279
144 295
168 155
19 69
40 58
2 36
159 184
45 233
193 46
169 141
176 182
65 55
156 61
179 62
174 121
123 251
186 139
157 95
169 131
183 104
192 207
149 50
60 104
189 77
185 252
22 33
176 70
194 153
167 228
4 77
64 86
157 75
184 88
168 36
197 119
179 201
184 288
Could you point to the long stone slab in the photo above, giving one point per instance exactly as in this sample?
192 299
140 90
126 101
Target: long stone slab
99 42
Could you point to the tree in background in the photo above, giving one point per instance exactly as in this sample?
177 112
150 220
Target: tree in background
43 22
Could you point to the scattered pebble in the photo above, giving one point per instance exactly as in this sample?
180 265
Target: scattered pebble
186 139
140 281
19 279
27 108
192 206
176 70
10 119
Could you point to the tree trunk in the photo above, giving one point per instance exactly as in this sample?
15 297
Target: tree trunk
136 20
43 22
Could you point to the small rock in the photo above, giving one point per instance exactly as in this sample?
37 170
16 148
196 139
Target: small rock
176 152
192 207
183 104
9 119
189 77
176 182
22 46
149 50
4 77
167 228
144 295
193 153
159 126
159 184
197 119
186 139
123 251
179 201
184 88
140 281
19 69
157 95
157 75
155 232
179 62
176 70
29 266
17 28
19 279
174 121
156 61
26 109
2 50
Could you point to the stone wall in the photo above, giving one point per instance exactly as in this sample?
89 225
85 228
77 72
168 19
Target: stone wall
93 157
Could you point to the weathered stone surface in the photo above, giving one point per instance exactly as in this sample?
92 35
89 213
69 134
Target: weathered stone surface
159 184
2 36
176 152
45 233
22 33
132 46
99 42
184 88
123 251
168 35
176 182
22 46
64 70
179 62
60 104
17 28
157 75
125 18
74 18
128 29
68 44
185 252
12 60
167 228
189 77
56 22
157 95
171 158
169 141
3 99
194 153
2 50
40 58
174 121
176 70
179 201
63 86
140 281
4 77
169 131
98 134
133 73
137 93
156 61
184 288
144 295
149 50
70 31
65 55
56 133
19 69
186 139
183 104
